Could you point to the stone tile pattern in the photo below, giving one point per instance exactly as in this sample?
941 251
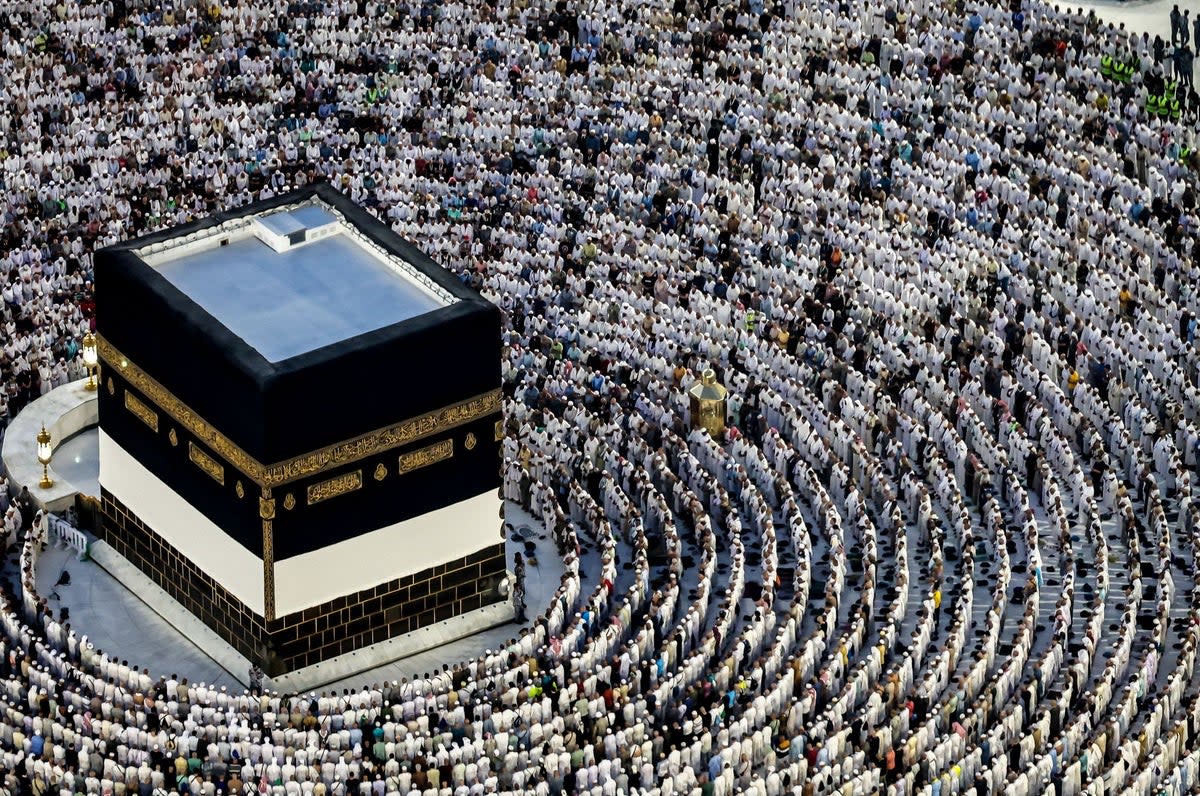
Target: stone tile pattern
316 634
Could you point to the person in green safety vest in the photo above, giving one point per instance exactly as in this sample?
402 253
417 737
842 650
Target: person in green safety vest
1106 66
1151 105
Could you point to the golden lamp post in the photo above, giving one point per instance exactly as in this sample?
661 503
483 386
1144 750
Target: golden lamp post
90 359
44 452
708 404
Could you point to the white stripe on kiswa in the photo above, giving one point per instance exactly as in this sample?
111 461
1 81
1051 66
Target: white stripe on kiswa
173 518
379 556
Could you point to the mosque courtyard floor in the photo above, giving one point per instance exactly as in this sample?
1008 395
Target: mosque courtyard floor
1152 16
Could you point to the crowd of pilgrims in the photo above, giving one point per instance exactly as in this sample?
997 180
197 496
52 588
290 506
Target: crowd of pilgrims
942 262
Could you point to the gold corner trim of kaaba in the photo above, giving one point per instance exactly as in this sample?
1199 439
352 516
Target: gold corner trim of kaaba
432 454
307 464
206 463
338 485
141 411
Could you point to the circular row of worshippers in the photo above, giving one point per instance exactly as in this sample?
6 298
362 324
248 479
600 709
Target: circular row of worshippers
1034 638
749 615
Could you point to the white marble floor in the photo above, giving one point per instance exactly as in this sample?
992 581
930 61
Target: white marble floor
78 461
120 624
1151 16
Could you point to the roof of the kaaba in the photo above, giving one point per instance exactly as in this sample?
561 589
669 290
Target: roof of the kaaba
295 279
296 322
297 273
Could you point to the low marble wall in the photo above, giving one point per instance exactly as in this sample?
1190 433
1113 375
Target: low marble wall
65 411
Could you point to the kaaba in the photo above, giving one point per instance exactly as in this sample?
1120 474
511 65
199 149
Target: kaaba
300 425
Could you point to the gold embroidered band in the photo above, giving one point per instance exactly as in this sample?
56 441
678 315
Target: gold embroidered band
308 464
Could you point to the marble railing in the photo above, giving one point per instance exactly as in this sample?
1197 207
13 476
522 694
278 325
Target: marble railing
65 411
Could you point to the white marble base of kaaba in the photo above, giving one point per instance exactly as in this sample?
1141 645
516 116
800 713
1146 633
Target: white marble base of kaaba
310 677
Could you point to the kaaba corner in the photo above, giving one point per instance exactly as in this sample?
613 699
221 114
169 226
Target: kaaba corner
300 423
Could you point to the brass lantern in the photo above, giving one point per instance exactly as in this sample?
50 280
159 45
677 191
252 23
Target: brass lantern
708 404
90 359
44 452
